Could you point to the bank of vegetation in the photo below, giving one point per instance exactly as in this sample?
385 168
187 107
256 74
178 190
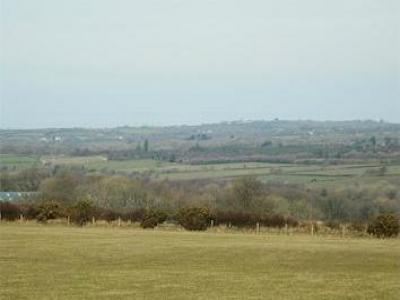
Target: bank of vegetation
245 202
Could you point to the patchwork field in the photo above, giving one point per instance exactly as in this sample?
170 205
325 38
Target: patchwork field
287 173
57 262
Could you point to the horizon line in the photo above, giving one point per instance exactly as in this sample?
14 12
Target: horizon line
203 124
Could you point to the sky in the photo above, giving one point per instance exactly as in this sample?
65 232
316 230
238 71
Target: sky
106 63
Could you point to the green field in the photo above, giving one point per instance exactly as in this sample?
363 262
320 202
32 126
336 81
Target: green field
19 161
57 262
267 172
274 172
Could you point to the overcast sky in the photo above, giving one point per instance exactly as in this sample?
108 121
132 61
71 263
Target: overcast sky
106 63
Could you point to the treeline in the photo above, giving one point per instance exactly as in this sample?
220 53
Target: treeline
240 198
266 151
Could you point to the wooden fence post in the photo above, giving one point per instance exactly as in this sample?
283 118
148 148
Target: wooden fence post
312 228
21 217
258 228
119 221
68 220
286 229
93 221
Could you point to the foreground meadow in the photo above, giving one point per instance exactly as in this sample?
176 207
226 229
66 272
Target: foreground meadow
57 262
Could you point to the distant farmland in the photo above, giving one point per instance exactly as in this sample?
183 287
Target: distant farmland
159 170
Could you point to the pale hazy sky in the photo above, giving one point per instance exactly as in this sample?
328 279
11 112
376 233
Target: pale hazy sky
105 63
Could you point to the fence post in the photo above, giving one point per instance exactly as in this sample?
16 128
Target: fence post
212 223
21 217
93 221
68 220
119 221
286 229
312 228
258 228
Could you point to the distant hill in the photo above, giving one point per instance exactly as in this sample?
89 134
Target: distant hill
227 141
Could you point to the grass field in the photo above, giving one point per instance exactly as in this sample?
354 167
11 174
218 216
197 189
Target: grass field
268 172
19 161
59 262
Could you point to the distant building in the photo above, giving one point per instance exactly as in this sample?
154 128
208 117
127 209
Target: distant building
14 196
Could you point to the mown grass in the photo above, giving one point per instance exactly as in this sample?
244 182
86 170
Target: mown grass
57 262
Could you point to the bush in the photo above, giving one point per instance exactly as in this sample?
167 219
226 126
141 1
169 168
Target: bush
292 221
134 215
250 219
384 226
237 218
149 223
274 220
108 215
48 210
334 225
194 218
152 218
82 212
9 211
30 211
357 226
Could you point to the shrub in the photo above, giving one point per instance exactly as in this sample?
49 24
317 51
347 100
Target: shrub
48 210
134 215
160 215
292 221
307 225
274 220
9 211
237 218
30 211
194 218
357 226
108 215
150 222
334 225
82 212
152 218
250 219
384 226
